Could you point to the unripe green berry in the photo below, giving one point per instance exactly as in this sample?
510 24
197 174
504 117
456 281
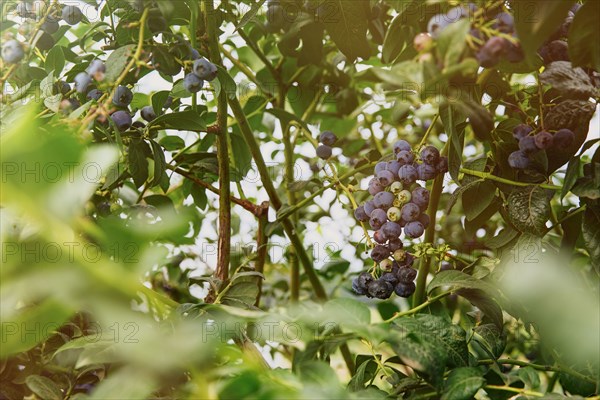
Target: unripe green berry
404 196
394 214
396 187
399 255
386 265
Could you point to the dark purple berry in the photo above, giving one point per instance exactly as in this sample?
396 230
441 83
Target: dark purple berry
405 289
375 187
386 178
378 218
324 152
192 83
380 253
491 52
357 288
426 172
364 279
527 145
514 52
94 94
122 96
563 138
395 244
328 138
380 289
557 50
379 236
401 145
442 165
504 23
406 274
407 174
380 166
391 229
521 130
148 113
390 277
204 69
360 214
383 200
393 167
543 140
414 229
122 120
424 220
430 155
369 207
518 160
405 157
410 212
420 196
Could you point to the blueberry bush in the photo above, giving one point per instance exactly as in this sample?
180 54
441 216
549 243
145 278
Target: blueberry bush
317 199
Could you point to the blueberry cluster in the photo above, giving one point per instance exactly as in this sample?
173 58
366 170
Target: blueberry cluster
327 139
556 47
530 143
497 48
399 202
398 277
202 70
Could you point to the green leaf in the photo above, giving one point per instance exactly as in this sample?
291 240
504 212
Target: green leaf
570 176
158 100
117 61
491 338
138 166
477 198
400 33
55 60
254 8
43 387
459 280
346 23
286 117
463 383
171 143
489 307
536 20
584 36
224 82
530 377
504 237
160 164
452 41
456 136
528 209
347 312
364 373
590 229
183 121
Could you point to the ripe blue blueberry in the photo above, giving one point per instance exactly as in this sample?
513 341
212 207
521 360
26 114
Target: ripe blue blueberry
527 145
380 289
386 178
543 140
420 196
194 54
563 138
369 207
442 165
383 200
380 253
438 23
380 237
192 83
122 97
50 25
324 152
490 53
72 15
94 94
204 69
430 155
406 274
12 52
414 229
122 120
405 157
426 172
390 277
357 288
380 166
518 160
391 229
364 279
378 218
328 138
393 166
360 214
424 220
521 130
61 87
395 244
405 289
82 81
375 187
407 174
96 69
410 212
504 23
401 145
148 113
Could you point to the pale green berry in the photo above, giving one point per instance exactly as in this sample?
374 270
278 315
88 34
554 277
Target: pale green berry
404 196
394 214
386 265
396 187
397 203
399 255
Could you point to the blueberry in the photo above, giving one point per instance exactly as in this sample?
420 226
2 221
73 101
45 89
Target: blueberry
380 166
390 277
391 229
395 244
436 24
406 274
375 187
157 24
360 214
442 165
380 253
426 172
420 196
94 94
491 52
364 279
380 289
394 214
194 54
405 289
527 145
407 174
50 25
414 229
369 207
518 160
557 50
122 120
521 130
324 152
275 17
380 237
148 113
44 41
514 52
430 155
410 212
328 138
401 145
122 97
406 260
543 140
82 81
378 218
61 87
192 83
386 178
424 220
96 69
393 166
504 23
72 15
563 138
204 69
405 157
422 42
138 124
383 200
357 288
12 52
